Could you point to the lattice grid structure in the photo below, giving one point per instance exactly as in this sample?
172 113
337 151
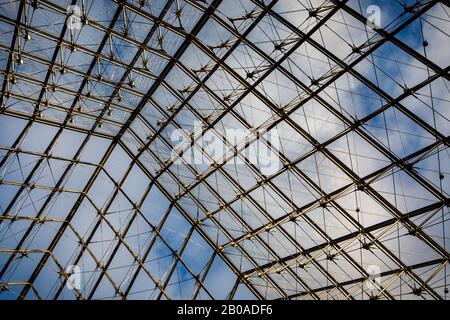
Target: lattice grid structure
93 91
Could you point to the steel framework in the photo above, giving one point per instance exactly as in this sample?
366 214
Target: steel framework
89 186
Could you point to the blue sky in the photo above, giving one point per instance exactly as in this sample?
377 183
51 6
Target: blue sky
389 67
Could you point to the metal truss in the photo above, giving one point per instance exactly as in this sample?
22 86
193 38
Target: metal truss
90 190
